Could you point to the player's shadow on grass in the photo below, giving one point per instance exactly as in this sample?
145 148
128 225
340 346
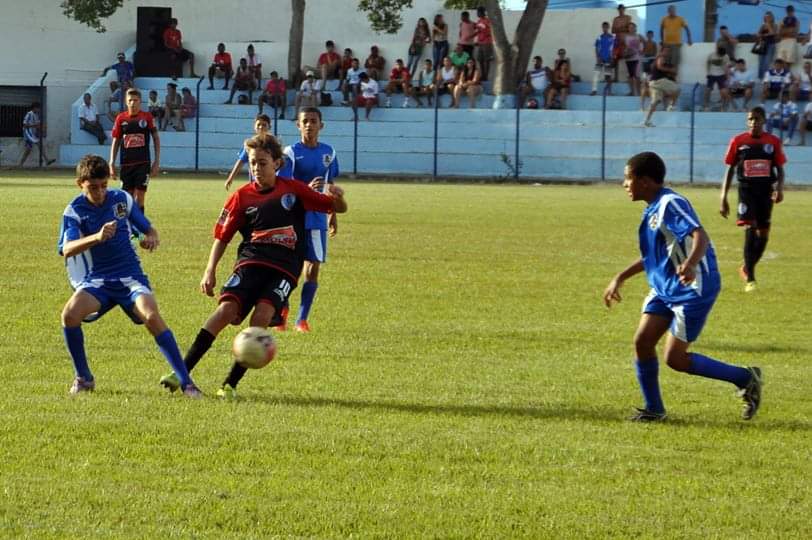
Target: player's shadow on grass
541 412
759 348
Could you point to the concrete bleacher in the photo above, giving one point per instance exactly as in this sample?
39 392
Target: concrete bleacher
471 142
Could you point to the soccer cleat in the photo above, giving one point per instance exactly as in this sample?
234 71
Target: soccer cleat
170 381
750 286
644 415
227 393
280 322
671 108
193 392
302 326
80 385
751 394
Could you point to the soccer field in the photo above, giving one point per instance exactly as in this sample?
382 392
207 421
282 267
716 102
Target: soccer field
463 379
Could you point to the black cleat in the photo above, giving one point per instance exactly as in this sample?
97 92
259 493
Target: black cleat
644 415
751 394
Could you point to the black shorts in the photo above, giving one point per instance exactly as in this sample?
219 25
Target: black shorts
182 55
755 204
135 177
253 284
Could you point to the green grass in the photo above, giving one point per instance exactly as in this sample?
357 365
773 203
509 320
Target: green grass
463 380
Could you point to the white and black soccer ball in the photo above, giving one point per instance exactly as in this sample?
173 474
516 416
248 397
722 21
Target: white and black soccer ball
254 347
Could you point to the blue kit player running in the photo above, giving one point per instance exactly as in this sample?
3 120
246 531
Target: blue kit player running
680 265
316 164
262 124
98 224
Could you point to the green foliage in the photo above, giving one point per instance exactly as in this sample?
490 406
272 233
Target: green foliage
463 380
384 15
91 12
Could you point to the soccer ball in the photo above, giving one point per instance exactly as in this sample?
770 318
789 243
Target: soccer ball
254 347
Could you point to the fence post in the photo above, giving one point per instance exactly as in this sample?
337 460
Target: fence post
43 115
603 132
275 121
355 136
693 124
436 117
516 151
197 126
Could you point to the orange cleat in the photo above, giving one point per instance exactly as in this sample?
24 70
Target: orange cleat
302 326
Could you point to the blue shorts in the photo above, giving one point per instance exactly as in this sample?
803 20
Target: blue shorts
316 245
687 318
120 291
29 143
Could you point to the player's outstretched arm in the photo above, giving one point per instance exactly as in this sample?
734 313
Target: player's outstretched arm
339 204
75 247
612 292
209 280
235 170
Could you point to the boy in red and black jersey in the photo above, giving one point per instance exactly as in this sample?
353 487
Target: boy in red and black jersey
269 214
132 131
758 160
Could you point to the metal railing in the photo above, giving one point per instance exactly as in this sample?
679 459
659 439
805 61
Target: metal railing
693 125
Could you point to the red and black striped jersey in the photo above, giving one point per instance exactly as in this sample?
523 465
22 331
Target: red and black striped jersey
755 158
134 132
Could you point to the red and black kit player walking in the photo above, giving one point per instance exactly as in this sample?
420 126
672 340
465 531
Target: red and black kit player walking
269 214
132 132
757 158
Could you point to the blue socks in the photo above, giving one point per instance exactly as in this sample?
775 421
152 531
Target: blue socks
308 293
714 369
169 348
75 341
647 371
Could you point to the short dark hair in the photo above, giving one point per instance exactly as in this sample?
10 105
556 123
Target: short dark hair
92 167
311 110
274 73
329 43
723 27
649 165
264 117
465 15
250 46
173 21
223 45
740 61
481 11
265 142
759 111
537 57
605 23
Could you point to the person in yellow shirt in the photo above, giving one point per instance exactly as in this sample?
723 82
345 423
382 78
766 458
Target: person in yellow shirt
671 34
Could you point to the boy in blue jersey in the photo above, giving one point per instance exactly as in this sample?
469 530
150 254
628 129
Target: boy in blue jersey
316 164
262 123
680 265
98 223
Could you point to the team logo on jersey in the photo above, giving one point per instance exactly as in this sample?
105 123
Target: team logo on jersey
326 159
288 200
742 209
142 123
232 281
223 217
120 210
653 222
768 148
280 236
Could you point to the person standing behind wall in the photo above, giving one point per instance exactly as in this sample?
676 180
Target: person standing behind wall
671 35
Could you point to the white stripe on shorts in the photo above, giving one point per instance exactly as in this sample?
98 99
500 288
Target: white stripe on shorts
318 247
679 329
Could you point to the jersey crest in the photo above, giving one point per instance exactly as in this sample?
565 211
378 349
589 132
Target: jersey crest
120 210
326 159
288 201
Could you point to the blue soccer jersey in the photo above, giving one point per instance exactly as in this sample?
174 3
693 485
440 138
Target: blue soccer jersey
306 163
116 258
666 241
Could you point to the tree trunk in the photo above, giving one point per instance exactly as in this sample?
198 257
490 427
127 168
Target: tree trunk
295 42
512 59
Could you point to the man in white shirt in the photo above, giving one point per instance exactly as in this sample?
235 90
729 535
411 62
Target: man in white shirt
784 117
308 94
717 64
352 82
254 64
806 122
803 83
369 93
740 84
536 81
89 119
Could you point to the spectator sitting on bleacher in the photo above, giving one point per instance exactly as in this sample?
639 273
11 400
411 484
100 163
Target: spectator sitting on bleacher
188 107
420 37
275 94
466 34
775 80
221 66
727 42
784 117
662 84
740 84
308 94
244 81
425 83
459 56
115 99
400 80
468 82
374 64
174 43
89 119
352 82
806 122
254 64
604 45
718 64
536 81
329 64
154 105
787 48
484 43
369 93
172 103
649 51
446 79
803 84
560 85
125 71
346 64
